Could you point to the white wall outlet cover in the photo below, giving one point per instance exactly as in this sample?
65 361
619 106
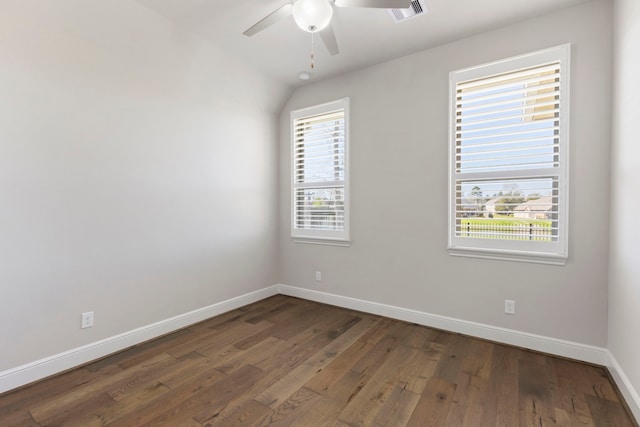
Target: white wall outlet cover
509 306
87 319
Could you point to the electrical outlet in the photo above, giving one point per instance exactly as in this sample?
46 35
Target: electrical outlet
87 320
509 306
318 276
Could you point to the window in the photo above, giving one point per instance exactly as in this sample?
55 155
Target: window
509 158
319 173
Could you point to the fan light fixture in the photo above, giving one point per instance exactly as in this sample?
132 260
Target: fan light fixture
312 15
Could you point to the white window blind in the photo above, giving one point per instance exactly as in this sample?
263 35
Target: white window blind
509 148
319 152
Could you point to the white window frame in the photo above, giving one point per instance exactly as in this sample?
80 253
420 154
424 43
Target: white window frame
555 253
306 235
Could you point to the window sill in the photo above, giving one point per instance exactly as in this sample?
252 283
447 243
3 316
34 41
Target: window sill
317 241
517 256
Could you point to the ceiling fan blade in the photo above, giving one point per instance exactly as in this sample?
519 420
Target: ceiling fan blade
383 4
329 39
278 15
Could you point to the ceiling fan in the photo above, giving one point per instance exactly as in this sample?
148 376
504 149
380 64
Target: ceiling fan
315 16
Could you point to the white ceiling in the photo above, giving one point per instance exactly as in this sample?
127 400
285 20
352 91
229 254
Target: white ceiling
365 36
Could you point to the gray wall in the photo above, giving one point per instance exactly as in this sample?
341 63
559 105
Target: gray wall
137 174
399 157
624 284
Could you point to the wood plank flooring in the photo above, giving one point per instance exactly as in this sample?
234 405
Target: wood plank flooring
290 362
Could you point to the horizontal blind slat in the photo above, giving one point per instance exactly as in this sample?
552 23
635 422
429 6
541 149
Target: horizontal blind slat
514 94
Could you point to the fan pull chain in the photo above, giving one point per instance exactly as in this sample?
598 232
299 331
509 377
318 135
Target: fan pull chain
313 65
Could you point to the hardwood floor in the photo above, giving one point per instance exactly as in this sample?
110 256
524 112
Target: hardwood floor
285 361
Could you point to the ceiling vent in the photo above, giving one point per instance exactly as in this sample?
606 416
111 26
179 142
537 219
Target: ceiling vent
418 7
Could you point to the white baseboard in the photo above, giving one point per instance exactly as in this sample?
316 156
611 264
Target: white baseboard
43 368
629 393
569 349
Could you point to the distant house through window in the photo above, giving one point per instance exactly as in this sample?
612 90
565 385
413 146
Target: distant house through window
509 162
320 173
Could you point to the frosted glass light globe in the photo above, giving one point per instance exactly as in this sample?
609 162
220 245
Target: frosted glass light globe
312 15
